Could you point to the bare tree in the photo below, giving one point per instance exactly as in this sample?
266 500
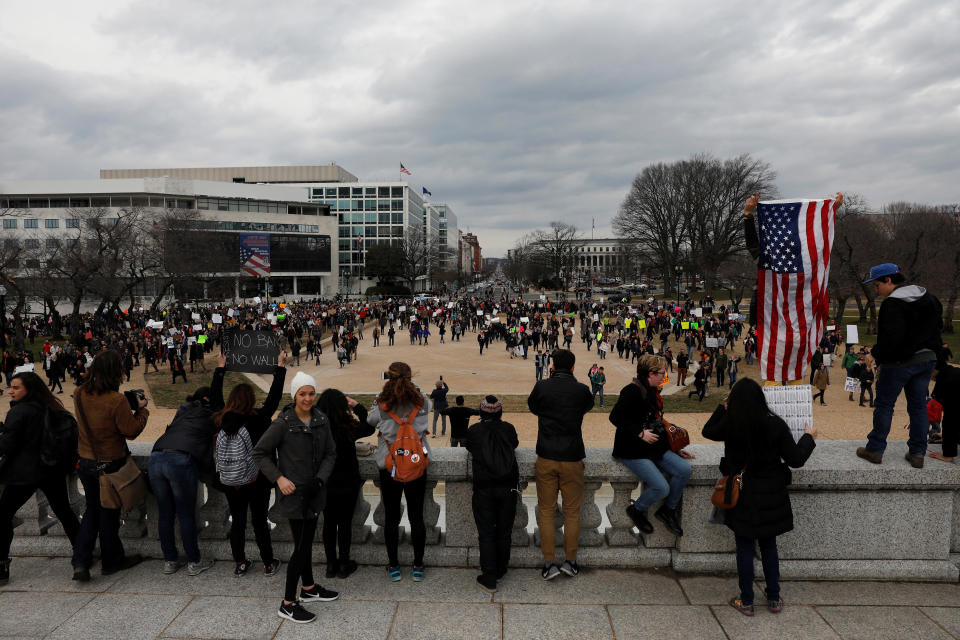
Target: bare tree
553 249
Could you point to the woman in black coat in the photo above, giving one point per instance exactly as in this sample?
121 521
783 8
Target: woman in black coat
759 443
345 481
21 469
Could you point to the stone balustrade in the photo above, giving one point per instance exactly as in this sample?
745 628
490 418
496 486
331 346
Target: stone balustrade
854 520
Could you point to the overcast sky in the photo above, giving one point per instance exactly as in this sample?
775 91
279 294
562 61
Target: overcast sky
515 113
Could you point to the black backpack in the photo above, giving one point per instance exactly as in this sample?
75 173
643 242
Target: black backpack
58 441
497 455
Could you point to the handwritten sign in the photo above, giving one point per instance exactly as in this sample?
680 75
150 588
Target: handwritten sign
251 351
684 325
853 334
217 318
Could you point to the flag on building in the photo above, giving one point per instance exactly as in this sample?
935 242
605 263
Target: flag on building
360 241
426 192
403 169
796 237
255 254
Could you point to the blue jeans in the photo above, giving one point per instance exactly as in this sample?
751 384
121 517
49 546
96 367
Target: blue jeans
914 380
173 478
771 567
649 471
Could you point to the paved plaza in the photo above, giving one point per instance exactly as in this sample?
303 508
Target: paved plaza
41 601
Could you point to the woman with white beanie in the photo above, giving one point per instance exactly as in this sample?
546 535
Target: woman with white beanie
305 453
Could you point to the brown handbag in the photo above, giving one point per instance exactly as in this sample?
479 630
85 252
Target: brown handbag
726 492
678 437
125 488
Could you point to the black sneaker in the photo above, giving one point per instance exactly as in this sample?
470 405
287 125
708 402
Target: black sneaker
81 575
333 568
570 569
242 567
270 569
669 518
549 571
295 613
318 594
347 567
640 519
127 562
487 583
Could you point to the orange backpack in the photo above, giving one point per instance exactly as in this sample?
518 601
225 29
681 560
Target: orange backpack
406 458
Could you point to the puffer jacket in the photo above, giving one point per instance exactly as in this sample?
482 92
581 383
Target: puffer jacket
305 456
20 443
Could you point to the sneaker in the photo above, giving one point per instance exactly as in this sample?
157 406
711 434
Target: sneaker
417 573
570 569
127 562
318 594
549 571
745 609
347 567
196 568
242 567
295 613
869 456
775 606
170 567
81 575
669 518
271 568
332 569
487 583
394 574
639 519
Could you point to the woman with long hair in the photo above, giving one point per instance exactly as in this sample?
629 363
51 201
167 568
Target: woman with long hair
106 423
759 443
240 412
645 450
402 398
22 470
348 420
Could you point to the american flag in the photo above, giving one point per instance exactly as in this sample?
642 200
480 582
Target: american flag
793 305
403 169
255 254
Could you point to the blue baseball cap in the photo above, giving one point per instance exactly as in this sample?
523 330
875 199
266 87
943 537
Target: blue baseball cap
882 271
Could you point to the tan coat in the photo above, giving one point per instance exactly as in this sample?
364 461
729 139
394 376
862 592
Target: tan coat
111 423
821 379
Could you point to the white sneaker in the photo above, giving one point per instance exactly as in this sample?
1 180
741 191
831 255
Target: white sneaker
196 568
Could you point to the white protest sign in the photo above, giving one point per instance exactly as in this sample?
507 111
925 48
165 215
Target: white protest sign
601 299
403 307
698 312
831 327
231 312
853 334
449 305
524 319
412 318
494 319
256 299
217 318
191 340
126 323
543 298
480 313
169 342
198 327
194 316
171 331
712 342
436 313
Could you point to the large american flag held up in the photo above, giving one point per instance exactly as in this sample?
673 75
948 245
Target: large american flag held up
792 307
255 254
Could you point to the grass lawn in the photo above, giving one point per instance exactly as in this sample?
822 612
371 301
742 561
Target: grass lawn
171 396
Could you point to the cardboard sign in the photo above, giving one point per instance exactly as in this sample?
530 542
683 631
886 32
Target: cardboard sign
217 318
853 334
251 351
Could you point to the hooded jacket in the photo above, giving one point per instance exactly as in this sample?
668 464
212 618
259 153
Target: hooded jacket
20 443
305 456
908 327
192 428
560 402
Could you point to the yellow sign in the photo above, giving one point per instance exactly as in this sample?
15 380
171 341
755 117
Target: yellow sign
684 325
642 324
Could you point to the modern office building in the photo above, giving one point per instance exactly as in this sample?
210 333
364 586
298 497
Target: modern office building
213 215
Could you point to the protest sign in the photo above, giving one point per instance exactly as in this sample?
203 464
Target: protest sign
251 351
853 334
198 327
281 316
684 325
628 322
852 385
449 305
524 319
191 340
231 312
217 318
480 313
698 313
596 317
403 307
831 327
202 339
641 324
256 299
712 342
694 325
194 316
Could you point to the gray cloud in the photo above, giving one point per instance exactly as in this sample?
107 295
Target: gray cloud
514 115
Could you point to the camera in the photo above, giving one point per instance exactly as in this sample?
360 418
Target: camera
134 398
386 375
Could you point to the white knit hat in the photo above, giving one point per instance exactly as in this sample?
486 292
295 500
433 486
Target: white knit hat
301 380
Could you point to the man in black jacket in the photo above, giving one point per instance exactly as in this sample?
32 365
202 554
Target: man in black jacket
908 341
560 402
496 478
459 419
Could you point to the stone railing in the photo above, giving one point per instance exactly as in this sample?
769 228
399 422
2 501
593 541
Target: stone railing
854 520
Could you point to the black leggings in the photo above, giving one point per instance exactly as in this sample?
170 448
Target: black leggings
819 395
300 567
14 496
256 497
338 523
390 492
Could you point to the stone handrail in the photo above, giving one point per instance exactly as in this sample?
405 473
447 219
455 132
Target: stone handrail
853 520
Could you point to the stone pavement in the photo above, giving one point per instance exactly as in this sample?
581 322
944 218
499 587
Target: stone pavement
41 601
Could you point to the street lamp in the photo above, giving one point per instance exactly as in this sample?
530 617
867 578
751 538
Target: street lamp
3 318
678 269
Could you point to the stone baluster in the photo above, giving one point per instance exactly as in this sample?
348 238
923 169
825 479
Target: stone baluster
620 533
134 524
590 518
361 531
282 531
431 511
216 512
380 517
519 537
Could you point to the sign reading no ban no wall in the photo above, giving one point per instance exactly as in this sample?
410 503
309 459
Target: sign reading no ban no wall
251 351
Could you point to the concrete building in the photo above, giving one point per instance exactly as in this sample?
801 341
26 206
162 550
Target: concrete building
284 174
604 258
301 234
471 256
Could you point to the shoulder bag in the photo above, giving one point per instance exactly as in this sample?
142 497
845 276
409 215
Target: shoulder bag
726 492
677 437
123 489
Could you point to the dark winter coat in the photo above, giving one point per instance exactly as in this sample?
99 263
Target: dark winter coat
560 402
635 407
20 443
439 397
763 510
909 322
305 456
192 429
346 468
459 420
476 436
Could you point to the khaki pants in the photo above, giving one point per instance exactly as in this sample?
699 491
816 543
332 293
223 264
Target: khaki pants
567 478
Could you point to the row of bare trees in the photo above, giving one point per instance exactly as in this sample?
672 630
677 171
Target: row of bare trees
104 254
